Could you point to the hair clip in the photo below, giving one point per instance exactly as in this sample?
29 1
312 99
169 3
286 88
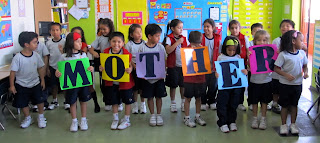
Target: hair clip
295 34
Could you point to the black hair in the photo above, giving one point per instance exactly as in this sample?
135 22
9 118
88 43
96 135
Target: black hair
234 22
171 24
256 25
69 45
26 37
286 41
224 46
82 33
152 29
212 23
116 34
132 28
287 21
55 24
108 22
195 37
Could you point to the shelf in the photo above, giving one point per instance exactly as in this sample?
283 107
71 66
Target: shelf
64 23
59 7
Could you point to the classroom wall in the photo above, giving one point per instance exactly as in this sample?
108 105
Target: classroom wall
19 24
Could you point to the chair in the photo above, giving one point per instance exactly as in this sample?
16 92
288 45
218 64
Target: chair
317 100
4 98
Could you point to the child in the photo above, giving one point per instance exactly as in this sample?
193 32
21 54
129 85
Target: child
228 99
173 42
55 47
291 65
260 87
235 27
135 41
84 48
119 90
194 87
105 28
73 51
212 41
153 88
26 68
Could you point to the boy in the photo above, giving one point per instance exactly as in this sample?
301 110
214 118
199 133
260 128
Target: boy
55 47
153 88
26 67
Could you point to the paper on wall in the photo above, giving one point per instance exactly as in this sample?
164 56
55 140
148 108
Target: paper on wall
76 12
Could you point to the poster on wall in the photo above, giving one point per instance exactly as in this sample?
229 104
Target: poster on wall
316 53
192 13
104 9
248 12
5 24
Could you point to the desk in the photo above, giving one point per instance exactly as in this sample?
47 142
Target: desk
4 72
5 68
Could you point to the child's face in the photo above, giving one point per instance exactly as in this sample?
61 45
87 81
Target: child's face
298 42
33 45
262 39
254 30
178 29
77 44
231 50
207 28
285 27
155 38
235 29
137 34
55 31
104 29
116 44
77 31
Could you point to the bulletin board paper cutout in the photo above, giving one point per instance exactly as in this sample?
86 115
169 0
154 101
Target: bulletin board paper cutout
154 68
114 67
316 53
231 81
188 58
131 17
104 9
72 77
256 67
5 9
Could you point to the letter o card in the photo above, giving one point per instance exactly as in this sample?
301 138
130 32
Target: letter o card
114 67
262 58
151 65
195 61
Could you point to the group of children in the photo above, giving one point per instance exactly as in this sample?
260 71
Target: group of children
283 86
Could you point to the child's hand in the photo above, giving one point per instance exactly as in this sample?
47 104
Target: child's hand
249 53
128 70
58 73
180 40
244 71
101 68
95 54
216 74
90 68
60 48
48 72
43 85
13 89
134 66
305 76
289 77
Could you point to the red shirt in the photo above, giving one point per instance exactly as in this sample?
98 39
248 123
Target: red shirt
171 59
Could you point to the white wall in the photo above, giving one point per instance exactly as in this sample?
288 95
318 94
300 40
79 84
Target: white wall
19 24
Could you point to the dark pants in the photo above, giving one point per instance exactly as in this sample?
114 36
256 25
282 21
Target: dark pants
211 89
227 103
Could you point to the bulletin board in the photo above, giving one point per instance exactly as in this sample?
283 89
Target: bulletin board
104 9
5 25
191 12
316 53
248 12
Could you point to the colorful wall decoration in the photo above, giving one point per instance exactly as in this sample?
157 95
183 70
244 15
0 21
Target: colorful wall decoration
5 24
316 53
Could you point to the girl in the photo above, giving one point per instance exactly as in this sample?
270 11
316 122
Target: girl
135 41
84 48
228 99
235 27
73 51
105 28
260 87
291 64
119 90
212 41
173 42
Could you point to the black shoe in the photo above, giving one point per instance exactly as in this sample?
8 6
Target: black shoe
96 108
276 109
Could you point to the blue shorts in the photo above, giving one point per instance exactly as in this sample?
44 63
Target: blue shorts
126 96
174 77
82 93
24 95
260 93
289 95
195 90
53 80
156 89
137 81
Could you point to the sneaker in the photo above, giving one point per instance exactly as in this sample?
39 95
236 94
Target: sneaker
35 108
143 108
241 107
124 124
203 107
250 107
51 107
213 106
225 129
263 123
159 120
173 108
74 126
114 124
294 129
276 109
42 122
188 122
66 106
233 127
200 121
53 104
153 121
26 123
83 125
120 108
135 108
284 129
182 106
254 124
96 108
269 107
108 107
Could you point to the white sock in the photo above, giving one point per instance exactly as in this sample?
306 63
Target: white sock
187 117
83 118
40 116
127 117
55 100
75 120
274 103
173 102
197 115
143 103
263 118
115 116
183 100
28 117
158 114
135 103
153 115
